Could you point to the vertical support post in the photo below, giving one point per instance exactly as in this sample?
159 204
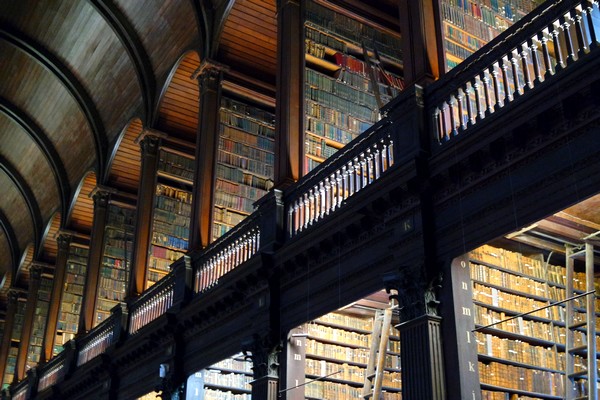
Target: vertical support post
265 361
460 346
294 365
88 307
421 35
289 122
13 298
422 358
209 75
143 224
64 241
35 278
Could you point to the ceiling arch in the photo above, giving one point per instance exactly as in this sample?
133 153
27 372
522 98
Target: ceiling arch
119 23
49 244
36 133
125 162
32 205
81 211
68 79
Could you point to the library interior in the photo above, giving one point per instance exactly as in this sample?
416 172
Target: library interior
300 199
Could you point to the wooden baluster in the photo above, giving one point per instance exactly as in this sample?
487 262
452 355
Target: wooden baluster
591 28
515 74
489 107
499 100
363 171
345 182
338 188
327 185
376 161
582 41
357 177
533 44
306 211
437 123
469 104
368 167
477 86
525 65
505 76
461 120
566 27
560 64
443 121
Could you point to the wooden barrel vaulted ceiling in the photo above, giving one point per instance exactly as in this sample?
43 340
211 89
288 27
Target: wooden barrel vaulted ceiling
81 79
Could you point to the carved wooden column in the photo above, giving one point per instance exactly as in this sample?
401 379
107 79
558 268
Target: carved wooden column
88 306
422 358
35 278
209 75
421 41
265 360
143 223
289 121
64 241
460 346
13 298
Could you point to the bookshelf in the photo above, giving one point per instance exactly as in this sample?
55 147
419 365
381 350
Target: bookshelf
469 25
337 354
116 260
13 351
39 321
227 379
342 81
171 214
244 164
524 357
72 296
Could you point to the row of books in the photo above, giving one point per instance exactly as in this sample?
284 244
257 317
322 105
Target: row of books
331 100
246 150
518 351
338 335
212 394
230 105
254 166
166 228
243 204
239 189
352 373
509 301
388 85
331 390
318 147
228 217
240 381
116 294
347 320
470 23
234 364
174 205
458 35
235 174
173 242
176 164
120 217
346 122
519 378
522 326
351 30
247 124
251 139
170 217
165 254
118 251
340 89
164 191
118 274
78 258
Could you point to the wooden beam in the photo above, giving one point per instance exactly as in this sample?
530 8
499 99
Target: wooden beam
49 61
32 204
135 49
220 15
45 145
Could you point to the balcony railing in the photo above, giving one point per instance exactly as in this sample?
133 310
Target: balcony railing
350 170
153 303
52 372
235 247
518 61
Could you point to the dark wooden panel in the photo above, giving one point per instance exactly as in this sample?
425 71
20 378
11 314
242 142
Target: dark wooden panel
125 169
49 244
5 260
178 113
41 95
15 209
22 152
82 214
156 20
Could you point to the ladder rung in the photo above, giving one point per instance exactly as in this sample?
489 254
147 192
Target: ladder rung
368 395
578 349
578 374
578 325
577 254
371 376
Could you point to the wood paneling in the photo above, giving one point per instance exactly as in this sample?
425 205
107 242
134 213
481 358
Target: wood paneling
42 96
82 215
178 113
5 259
25 266
49 244
23 153
124 173
249 39
14 207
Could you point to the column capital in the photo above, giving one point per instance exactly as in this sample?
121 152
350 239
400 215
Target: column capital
64 241
264 355
35 271
101 198
13 295
209 67
417 296
149 143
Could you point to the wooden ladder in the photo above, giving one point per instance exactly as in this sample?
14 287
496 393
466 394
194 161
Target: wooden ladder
582 384
379 341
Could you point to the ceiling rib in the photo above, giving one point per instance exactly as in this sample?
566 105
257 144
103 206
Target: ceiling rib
68 79
132 43
12 242
36 133
27 193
